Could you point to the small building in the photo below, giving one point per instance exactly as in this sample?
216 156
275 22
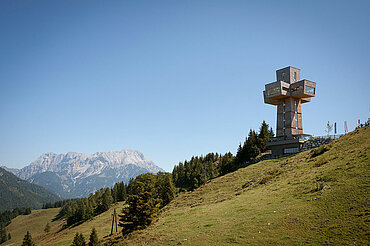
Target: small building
288 93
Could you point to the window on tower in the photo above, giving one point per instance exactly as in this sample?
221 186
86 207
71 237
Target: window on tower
309 89
273 91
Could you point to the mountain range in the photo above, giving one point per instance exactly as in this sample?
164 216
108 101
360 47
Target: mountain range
18 193
74 174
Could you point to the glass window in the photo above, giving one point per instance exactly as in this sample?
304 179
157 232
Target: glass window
283 117
273 91
296 115
295 76
291 150
309 89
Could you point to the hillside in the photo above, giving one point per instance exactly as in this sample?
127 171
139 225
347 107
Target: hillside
17 193
301 199
36 221
290 201
73 174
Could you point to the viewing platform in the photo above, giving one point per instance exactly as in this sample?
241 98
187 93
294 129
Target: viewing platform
288 93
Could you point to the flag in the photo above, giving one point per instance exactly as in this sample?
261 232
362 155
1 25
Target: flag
358 123
335 127
345 127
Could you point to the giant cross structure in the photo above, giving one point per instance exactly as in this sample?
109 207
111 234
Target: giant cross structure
288 93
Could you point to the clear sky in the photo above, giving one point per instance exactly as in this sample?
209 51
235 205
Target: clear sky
173 78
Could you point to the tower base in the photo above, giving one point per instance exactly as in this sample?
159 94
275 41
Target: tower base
280 147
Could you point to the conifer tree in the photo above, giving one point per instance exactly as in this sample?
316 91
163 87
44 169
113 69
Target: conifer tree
130 186
263 136
141 206
114 192
94 240
78 240
252 146
3 237
165 187
122 193
27 240
106 199
271 133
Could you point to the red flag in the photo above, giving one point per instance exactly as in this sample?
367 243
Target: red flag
358 122
345 127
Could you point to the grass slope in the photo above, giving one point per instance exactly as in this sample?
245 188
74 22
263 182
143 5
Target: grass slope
36 221
290 201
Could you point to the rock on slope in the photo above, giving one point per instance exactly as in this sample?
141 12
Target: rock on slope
77 175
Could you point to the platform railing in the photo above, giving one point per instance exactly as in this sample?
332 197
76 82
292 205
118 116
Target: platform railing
305 137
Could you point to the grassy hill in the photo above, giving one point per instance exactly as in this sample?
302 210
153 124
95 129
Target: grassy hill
36 221
315 197
290 201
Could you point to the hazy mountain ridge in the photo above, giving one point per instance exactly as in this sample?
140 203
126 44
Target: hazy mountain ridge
77 174
17 193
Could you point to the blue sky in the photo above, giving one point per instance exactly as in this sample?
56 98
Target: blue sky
171 78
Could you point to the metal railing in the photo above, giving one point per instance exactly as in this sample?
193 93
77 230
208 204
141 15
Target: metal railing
335 136
305 137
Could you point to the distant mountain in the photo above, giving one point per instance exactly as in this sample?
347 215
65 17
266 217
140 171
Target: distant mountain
77 175
17 193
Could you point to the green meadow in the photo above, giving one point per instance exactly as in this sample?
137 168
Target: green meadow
317 197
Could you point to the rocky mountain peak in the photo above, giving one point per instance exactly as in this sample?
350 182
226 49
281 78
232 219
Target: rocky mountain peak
74 169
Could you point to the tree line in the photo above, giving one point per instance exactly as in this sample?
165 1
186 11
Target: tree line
189 175
81 209
57 204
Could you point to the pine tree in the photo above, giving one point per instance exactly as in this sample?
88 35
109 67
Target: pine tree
165 187
114 192
27 240
106 199
271 133
263 136
121 192
78 240
252 146
89 209
130 186
94 240
3 237
142 206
